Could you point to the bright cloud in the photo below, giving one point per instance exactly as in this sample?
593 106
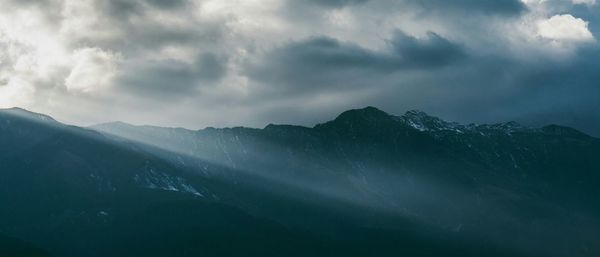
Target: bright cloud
565 28
15 92
93 69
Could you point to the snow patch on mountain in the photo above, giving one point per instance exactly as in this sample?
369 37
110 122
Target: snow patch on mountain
423 122
153 179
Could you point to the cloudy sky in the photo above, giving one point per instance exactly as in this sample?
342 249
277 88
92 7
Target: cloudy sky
197 63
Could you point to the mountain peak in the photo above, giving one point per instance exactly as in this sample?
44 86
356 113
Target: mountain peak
371 109
368 117
368 112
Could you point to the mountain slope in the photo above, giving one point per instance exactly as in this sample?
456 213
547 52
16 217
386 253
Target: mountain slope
556 161
503 182
412 185
75 192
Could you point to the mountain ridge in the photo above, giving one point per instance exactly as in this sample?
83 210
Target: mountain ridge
414 118
413 179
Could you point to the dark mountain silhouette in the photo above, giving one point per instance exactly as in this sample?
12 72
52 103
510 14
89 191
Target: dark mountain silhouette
364 184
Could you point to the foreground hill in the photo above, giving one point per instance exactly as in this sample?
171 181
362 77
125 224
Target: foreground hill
365 184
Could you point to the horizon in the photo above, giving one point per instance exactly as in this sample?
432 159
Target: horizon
333 118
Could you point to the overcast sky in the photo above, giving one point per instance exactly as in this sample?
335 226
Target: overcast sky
197 63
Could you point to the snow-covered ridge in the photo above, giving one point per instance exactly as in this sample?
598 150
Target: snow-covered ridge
424 122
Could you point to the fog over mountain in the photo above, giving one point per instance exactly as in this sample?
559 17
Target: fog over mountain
366 183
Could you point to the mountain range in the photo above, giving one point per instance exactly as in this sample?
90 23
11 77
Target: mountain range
364 184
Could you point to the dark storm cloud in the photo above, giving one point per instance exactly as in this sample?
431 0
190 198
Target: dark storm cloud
168 4
147 33
314 63
172 78
490 7
121 9
337 3
500 7
326 62
433 51
154 36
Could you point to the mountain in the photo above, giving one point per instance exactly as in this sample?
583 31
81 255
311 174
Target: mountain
555 161
364 184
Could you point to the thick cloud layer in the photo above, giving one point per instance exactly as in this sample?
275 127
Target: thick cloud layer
323 63
197 63
496 7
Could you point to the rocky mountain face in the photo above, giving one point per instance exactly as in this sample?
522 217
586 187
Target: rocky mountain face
364 184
